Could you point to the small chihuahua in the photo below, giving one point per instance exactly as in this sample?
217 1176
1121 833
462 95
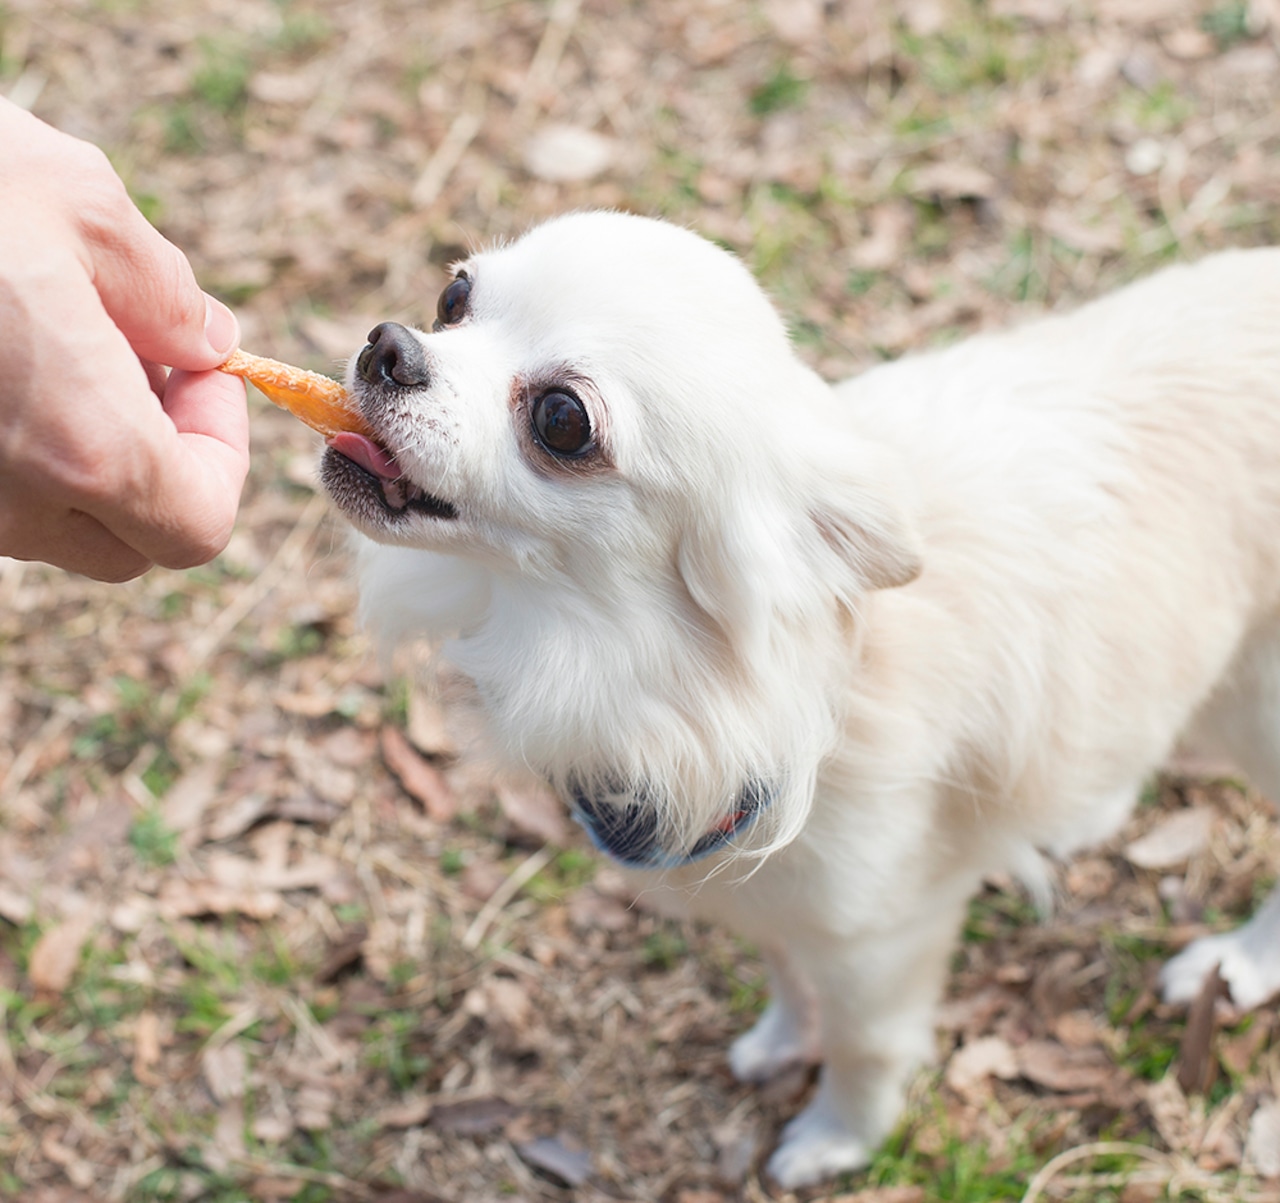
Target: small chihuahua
813 660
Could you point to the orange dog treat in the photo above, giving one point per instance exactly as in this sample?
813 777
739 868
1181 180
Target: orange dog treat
320 402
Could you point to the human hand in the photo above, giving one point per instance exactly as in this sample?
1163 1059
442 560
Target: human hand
108 463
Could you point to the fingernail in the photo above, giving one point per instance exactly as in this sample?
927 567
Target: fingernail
220 326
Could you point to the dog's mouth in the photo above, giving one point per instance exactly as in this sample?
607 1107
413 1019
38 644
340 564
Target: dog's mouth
368 483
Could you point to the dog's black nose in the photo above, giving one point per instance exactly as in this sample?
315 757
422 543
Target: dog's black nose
394 356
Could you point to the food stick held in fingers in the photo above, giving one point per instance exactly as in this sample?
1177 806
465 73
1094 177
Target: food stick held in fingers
322 403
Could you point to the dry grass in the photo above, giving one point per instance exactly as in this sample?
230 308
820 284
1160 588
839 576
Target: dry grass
238 959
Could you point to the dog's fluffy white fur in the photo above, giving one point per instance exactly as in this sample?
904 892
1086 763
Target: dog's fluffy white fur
951 612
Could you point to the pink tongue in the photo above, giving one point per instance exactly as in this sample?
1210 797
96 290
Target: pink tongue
367 454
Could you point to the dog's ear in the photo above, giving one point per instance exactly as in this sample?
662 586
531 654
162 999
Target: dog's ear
846 532
862 520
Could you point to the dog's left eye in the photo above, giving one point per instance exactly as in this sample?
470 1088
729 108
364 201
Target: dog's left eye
560 423
452 306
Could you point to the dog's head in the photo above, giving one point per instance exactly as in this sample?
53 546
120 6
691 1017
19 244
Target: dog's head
652 515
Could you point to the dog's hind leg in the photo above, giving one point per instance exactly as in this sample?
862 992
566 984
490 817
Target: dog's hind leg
1247 959
787 1031
1241 722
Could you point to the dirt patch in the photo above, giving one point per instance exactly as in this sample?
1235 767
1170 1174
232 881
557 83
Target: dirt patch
256 945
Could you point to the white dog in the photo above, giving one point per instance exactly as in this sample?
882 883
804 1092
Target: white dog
815 660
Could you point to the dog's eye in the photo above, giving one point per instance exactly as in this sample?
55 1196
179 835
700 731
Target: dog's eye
561 424
452 307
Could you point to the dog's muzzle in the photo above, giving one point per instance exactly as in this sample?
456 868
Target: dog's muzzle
624 826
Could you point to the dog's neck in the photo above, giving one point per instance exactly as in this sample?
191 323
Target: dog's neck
624 825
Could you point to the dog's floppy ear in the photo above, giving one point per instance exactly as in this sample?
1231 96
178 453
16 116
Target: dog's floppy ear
845 530
863 521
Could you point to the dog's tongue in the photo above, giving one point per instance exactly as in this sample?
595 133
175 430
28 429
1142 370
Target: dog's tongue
367 454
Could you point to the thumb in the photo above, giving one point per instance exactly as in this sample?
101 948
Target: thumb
150 292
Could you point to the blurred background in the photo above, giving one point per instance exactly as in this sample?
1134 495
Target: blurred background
268 931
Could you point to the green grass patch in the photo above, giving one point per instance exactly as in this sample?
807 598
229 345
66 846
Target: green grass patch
568 872
996 913
784 89
664 948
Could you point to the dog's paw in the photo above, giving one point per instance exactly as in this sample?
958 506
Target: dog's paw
777 1041
1250 977
815 1147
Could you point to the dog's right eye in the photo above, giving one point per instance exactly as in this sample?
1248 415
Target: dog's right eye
452 307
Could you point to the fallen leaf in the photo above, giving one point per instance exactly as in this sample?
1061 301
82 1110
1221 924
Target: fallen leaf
473 1117
56 953
408 1113
236 818
952 180
1262 1148
146 1048
342 955
421 779
562 153
426 727
1174 840
1170 1113
535 813
189 797
223 1067
1197 1066
189 899
1064 1070
565 1163
15 907
975 1063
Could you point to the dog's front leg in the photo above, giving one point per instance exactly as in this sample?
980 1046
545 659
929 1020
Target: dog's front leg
877 996
787 1031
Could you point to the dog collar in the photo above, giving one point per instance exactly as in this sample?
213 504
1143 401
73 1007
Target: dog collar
624 826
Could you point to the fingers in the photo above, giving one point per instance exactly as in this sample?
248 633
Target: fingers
72 540
108 463
190 475
148 288
146 284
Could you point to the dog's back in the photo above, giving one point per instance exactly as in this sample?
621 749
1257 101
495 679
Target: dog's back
1099 497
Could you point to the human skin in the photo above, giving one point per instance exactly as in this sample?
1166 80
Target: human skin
120 447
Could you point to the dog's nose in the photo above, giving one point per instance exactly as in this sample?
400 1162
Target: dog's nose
394 356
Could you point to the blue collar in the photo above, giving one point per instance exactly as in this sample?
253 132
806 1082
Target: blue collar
624 826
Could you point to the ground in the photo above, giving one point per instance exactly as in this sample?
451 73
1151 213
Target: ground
265 932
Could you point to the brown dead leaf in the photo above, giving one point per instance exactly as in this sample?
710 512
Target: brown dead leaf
1262 1149
56 953
889 233
237 817
421 779
971 1068
426 727
1197 1066
953 180
501 999
189 797
407 1113
1064 1070
1170 1113
558 1157
146 1048
15 907
1174 840
224 1067
534 812
473 1117
180 898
